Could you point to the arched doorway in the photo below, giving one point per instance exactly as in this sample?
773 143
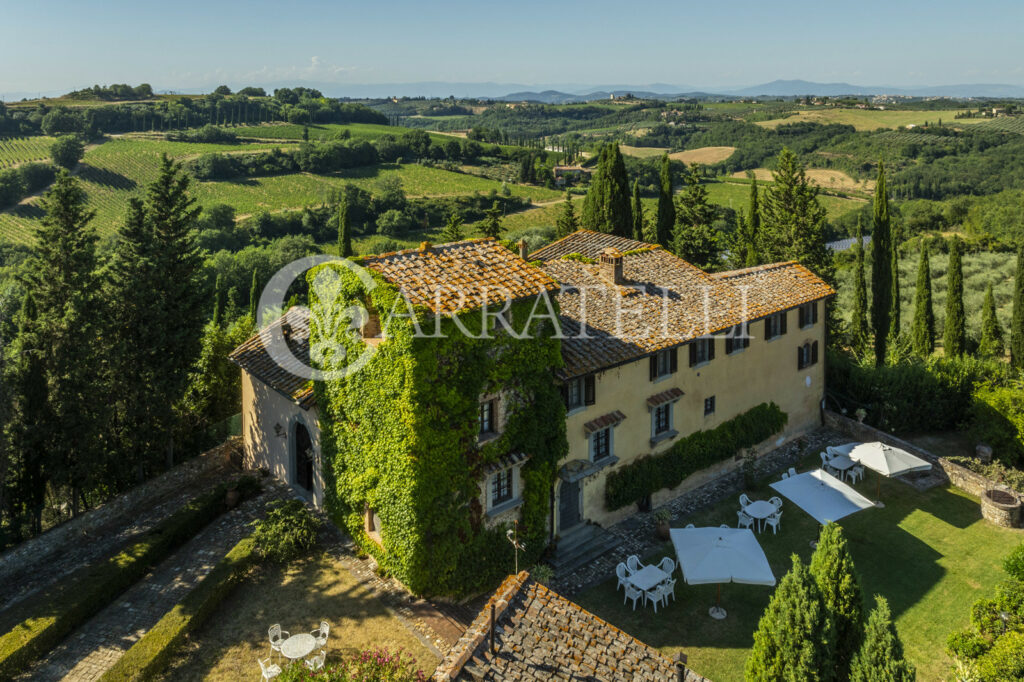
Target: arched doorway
303 458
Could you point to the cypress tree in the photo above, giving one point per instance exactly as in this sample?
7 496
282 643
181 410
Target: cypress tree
566 223
619 220
881 268
880 658
594 204
666 207
752 256
492 227
694 239
832 568
1017 325
954 334
638 213
991 331
894 314
344 232
924 316
859 330
218 300
254 297
795 637
452 229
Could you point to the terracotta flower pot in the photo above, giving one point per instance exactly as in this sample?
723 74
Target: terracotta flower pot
232 497
663 531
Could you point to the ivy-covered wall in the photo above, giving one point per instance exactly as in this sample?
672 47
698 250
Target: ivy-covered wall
401 435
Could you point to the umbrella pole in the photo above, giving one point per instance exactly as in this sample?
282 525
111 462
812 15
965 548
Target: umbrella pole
878 491
716 611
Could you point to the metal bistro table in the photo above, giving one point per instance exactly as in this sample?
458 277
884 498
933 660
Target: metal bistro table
648 577
298 646
760 511
842 464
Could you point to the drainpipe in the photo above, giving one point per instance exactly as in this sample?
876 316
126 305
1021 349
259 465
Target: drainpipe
551 514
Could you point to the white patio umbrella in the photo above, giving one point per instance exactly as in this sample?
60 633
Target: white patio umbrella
721 555
887 461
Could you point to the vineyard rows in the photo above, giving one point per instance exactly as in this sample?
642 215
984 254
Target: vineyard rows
15 150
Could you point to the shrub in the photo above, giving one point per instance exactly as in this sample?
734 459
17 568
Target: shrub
48 618
997 419
377 665
967 645
288 531
880 658
1014 563
67 151
208 133
985 617
697 451
1005 660
150 654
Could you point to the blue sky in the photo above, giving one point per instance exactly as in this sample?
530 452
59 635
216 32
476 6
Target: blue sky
55 46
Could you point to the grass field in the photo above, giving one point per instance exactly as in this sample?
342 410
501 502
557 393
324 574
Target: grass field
930 554
864 119
297 597
15 150
1011 124
702 155
826 178
120 168
358 131
736 195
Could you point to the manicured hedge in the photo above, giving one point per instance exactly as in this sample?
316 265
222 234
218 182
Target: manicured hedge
46 619
697 451
149 656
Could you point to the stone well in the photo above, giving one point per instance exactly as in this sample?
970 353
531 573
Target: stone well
1001 507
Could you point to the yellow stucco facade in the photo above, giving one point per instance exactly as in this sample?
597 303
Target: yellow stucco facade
767 370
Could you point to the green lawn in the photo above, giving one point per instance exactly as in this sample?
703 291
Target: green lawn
930 554
867 119
736 195
358 131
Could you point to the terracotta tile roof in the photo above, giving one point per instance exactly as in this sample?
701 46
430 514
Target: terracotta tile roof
253 357
506 461
665 397
587 243
540 635
604 421
482 269
664 301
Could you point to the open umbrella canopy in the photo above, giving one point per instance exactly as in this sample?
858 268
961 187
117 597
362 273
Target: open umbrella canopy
721 555
887 460
821 495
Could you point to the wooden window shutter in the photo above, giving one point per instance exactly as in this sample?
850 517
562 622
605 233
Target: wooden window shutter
673 360
728 344
654 367
711 348
814 353
801 316
565 394
693 353
814 313
799 357
588 390
768 327
782 322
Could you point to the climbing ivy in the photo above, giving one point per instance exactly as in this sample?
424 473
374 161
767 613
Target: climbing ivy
400 435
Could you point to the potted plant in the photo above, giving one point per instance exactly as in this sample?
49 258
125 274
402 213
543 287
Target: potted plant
233 495
662 517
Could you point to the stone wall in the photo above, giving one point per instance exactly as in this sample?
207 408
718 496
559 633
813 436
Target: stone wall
37 549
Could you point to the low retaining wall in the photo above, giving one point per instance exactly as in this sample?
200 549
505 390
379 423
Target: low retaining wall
37 549
963 478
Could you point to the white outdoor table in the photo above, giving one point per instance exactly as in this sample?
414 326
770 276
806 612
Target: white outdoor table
842 464
760 510
298 646
648 577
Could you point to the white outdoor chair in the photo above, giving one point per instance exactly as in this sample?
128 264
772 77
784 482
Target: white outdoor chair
856 473
690 525
744 500
320 634
633 563
825 463
776 502
317 661
784 475
634 594
744 521
277 637
622 575
656 595
792 471
270 670
774 521
670 589
724 525
667 565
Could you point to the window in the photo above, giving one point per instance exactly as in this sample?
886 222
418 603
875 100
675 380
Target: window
663 363
501 487
808 314
578 392
701 351
601 444
736 339
709 406
807 355
775 325
488 417
662 417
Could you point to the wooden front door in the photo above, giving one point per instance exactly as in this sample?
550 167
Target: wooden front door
303 458
569 505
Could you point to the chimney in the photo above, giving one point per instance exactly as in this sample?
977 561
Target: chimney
611 265
425 246
680 661
522 248
286 330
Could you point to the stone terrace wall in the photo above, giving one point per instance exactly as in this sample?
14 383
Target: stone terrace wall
37 549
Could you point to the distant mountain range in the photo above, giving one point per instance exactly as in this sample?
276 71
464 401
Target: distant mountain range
574 92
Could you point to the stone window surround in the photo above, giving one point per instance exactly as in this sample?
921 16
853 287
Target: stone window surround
517 492
498 418
671 432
